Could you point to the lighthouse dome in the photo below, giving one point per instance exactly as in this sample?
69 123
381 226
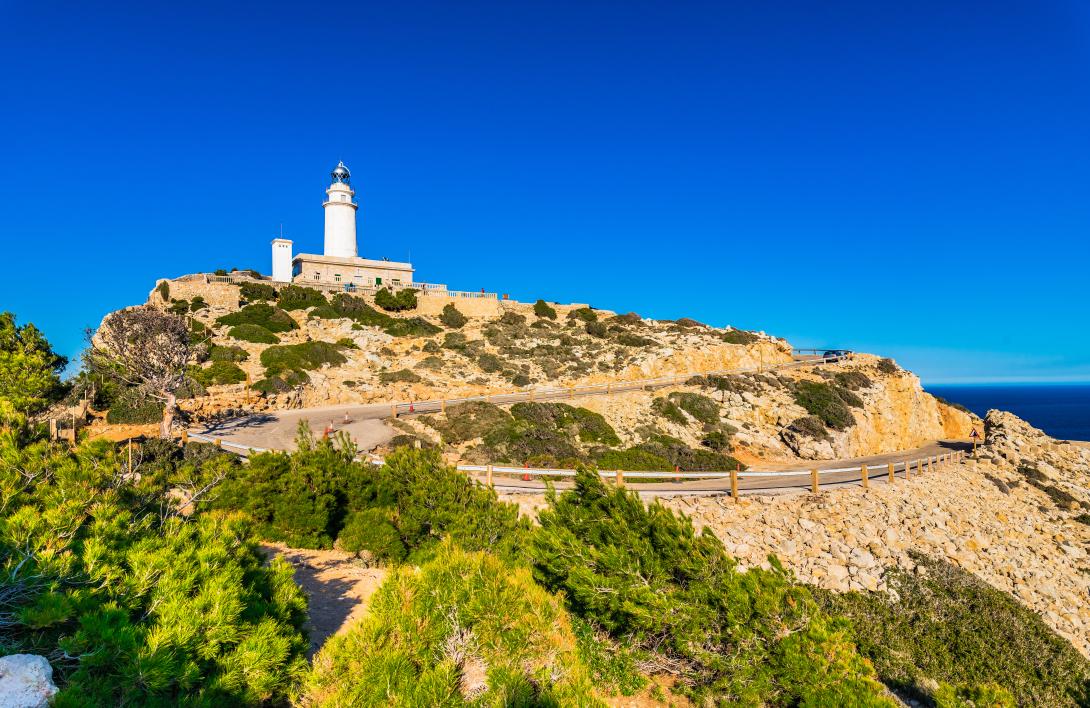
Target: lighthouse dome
340 173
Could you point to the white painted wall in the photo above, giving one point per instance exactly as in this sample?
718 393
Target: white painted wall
281 260
340 221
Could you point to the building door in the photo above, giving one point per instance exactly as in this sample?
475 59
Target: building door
378 281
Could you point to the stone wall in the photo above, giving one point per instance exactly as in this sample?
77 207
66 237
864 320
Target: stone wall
218 295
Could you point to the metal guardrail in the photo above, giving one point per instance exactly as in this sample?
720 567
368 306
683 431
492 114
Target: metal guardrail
802 478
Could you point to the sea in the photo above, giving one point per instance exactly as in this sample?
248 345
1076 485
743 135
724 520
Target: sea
1061 410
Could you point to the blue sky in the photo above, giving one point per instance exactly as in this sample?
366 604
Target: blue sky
912 180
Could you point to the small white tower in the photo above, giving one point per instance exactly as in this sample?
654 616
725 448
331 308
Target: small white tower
340 215
281 260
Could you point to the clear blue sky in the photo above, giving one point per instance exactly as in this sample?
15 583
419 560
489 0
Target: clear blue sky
911 179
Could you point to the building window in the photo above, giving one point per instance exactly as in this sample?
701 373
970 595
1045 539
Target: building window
317 276
336 277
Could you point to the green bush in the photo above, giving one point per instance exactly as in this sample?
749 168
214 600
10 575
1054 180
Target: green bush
455 341
134 407
811 426
826 402
402 376
628 339
946 625
588 426
253 292
520 379
680 455
197 303
179 307
220 373
597 329
253 333
305 356
357 309
370 530
888 367
543 310
585 314
852 380
297 297
467 421
452 317
262 314
220 271
281 383
489 363
665 408
132 603
431 347
697 405
740 336
512 319
163 288
463 629
634 459
396 302
643 574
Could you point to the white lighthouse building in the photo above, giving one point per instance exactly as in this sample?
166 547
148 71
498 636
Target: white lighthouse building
340 215
340 263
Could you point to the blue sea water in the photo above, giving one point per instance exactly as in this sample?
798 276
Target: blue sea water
1061 410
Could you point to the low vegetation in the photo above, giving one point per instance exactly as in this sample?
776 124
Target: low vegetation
297 297
219 373
452 317
740 336
357 309
262 314
464 629
404 299
828 402
544 310
253 333
947 633
256 292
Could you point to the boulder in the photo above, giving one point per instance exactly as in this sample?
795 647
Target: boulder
26 681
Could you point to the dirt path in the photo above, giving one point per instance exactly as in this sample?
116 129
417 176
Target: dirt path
337 585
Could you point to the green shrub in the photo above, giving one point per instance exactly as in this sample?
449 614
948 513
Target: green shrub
634 459
689 323
455 341
468 421
159 608
697 405
297 297
680 455
642 573
253 292
811 426
852 380
588 426
542 309
220 373
628 339
665 408
253 333
512 319
305 356
888 366
402 376
357 309
396 302
179 307
585 314
826 402
489 363
220 271
262 314
463 629
520 379
719 440
740 336
431 347
370 530
163 288
281 383
597 329
452 317
135 408
946 625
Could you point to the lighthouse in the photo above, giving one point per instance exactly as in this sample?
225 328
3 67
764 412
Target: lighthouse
340 215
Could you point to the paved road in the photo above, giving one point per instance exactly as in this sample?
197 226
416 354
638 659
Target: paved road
752 481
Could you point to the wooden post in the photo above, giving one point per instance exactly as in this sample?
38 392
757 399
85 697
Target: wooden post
393 410
488 475
185 437
442 406
609 387
734 483
620 478
814 481
571 395
531 395
892 473
866 482
219 443
52 428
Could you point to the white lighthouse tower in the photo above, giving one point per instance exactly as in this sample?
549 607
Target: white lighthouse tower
340 215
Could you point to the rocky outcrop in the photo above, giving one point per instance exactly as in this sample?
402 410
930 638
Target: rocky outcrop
26 681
